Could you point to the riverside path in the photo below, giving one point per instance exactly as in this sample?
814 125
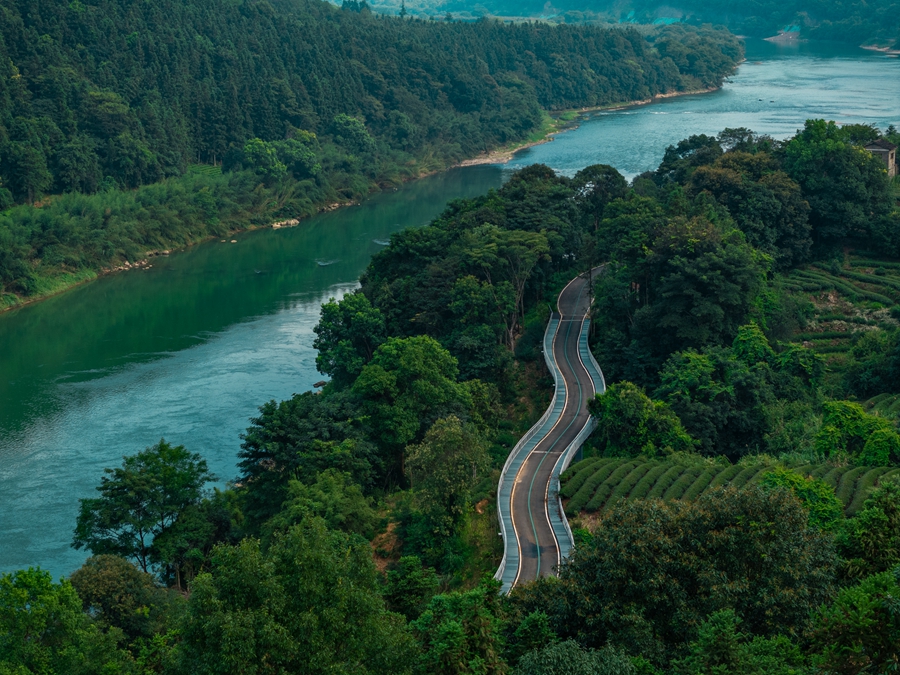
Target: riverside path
536 534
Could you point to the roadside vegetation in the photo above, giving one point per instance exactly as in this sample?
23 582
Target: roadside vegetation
737 509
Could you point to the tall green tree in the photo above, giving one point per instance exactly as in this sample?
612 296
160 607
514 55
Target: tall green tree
310 604
444 468
44 631
141 501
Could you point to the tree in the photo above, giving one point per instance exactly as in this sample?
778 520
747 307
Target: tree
140 502
630 423
654 570
443 469
297 439
117 594
334 497
569 658
720 649
825 509
409 384
719 399
262 158
850 432
410 587
309 604
347 335
459 633
871 540
860 631
596 186
847 188
43 630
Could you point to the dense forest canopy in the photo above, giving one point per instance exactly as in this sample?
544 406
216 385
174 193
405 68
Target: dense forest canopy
742 512
274 111
108 93
853 21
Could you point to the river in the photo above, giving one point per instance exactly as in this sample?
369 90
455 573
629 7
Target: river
189 349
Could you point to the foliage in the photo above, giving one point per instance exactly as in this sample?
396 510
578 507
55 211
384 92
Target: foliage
334 498
346 337
860 631
848 431
309 604
825 509
720 647
410 587
846 187
871 541
118 595
649 575
444 468
43 630
409 384
459 633
568 658
141 502
630 423
298 438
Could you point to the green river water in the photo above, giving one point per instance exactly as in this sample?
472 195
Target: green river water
190 348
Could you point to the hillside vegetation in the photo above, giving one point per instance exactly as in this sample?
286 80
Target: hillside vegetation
361 534
599 482
301 104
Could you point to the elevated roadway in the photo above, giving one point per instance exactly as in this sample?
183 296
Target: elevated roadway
535 531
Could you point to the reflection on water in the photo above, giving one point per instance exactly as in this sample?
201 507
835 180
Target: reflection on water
189 349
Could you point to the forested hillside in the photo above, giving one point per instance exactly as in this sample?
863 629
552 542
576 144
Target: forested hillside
852 21
108 93
361 534
300 103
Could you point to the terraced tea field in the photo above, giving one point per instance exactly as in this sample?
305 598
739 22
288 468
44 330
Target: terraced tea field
861 295
597 482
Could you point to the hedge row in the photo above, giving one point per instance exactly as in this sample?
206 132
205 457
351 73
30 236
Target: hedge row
594 484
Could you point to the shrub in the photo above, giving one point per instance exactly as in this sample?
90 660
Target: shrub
603 492
649 480
825 510
666 481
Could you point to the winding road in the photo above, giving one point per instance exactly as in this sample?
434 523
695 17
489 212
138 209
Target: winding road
535 531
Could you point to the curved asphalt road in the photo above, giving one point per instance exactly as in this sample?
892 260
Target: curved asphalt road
539 552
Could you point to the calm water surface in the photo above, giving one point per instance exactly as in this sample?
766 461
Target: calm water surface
189 349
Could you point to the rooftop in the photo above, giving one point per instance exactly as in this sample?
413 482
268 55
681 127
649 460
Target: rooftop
883 144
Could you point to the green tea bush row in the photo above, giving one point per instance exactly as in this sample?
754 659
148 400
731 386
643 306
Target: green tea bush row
833 349
848 482
587 490
847 288
642 489
863 487
890 282
843 317
701 483
575 476
725 476
638 479
874 263
833 476
625 487
825 335
683 483
665 481
606 488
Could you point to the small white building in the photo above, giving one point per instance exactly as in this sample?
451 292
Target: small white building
887 152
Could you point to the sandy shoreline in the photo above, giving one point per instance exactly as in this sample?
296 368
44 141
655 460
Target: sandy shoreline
883 50
504 155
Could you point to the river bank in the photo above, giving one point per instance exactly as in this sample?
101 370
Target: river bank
566 120
554 123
